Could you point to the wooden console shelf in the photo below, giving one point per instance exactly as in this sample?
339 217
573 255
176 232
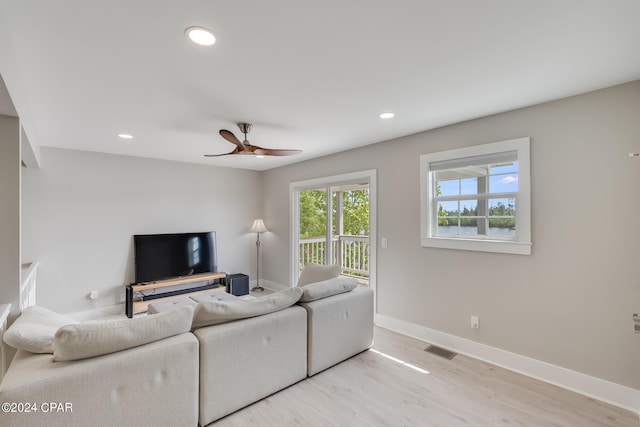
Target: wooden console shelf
177 281
136 302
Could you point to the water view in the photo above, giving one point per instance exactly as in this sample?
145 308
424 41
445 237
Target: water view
473 231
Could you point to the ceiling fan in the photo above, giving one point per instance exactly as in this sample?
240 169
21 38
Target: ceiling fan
246 148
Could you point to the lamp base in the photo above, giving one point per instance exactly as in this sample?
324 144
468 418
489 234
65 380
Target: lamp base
257 289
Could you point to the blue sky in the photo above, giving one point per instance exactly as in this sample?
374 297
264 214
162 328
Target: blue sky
502 179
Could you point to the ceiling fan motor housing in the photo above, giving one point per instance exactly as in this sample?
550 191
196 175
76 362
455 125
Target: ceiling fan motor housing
245 127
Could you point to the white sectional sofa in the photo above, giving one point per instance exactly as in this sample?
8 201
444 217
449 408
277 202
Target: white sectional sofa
231 354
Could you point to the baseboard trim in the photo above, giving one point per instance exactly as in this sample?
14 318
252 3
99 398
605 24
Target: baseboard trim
270 285
596 388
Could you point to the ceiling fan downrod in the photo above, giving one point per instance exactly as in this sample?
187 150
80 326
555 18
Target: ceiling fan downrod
245 128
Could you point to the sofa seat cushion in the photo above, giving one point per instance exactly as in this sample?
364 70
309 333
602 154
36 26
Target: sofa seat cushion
34 330
214 296
214 312
327 288
162 306
312 273
89 339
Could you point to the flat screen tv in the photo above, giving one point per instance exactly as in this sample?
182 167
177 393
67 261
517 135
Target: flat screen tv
166 256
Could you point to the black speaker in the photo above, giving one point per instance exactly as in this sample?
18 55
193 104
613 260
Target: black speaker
237 284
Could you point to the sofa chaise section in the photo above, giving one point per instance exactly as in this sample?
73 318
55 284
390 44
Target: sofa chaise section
152 384
141 371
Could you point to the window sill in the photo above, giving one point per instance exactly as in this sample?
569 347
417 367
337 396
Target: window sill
498 246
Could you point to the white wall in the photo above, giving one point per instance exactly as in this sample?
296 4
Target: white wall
571 302
81 209
9 211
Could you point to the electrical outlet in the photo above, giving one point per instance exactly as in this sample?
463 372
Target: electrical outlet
475 322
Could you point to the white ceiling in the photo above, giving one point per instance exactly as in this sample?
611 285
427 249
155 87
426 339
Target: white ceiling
310 75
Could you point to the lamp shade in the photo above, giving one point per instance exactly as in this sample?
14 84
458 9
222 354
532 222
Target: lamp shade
258 226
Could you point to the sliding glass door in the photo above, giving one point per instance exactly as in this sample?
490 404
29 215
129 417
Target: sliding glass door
333 222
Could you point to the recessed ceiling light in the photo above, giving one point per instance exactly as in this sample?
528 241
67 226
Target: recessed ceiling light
200 35
125 136
386 115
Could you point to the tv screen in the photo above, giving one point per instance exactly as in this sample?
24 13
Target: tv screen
165 256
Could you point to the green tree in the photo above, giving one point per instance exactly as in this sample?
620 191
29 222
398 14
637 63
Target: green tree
313 208
356 212
355 221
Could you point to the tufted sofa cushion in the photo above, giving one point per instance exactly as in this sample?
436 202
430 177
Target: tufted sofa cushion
89 339
327 288
214 312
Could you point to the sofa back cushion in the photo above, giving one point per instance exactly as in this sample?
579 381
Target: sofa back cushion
312 273
214 312
327 288
34 330
89 339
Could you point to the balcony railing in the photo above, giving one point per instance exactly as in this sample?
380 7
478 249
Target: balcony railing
351 253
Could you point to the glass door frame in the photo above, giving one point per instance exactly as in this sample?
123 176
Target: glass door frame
367 176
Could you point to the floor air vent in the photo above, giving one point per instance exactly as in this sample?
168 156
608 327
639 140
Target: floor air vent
439 351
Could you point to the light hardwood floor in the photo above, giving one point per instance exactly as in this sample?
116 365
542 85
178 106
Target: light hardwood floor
399 384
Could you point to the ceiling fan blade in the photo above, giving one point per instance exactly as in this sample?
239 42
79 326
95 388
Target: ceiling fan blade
235 151
244 147
274 152
229 136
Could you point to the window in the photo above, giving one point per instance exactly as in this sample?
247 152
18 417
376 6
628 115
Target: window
477 198
193 251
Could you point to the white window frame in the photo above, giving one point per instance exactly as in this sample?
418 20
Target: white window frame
428 210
